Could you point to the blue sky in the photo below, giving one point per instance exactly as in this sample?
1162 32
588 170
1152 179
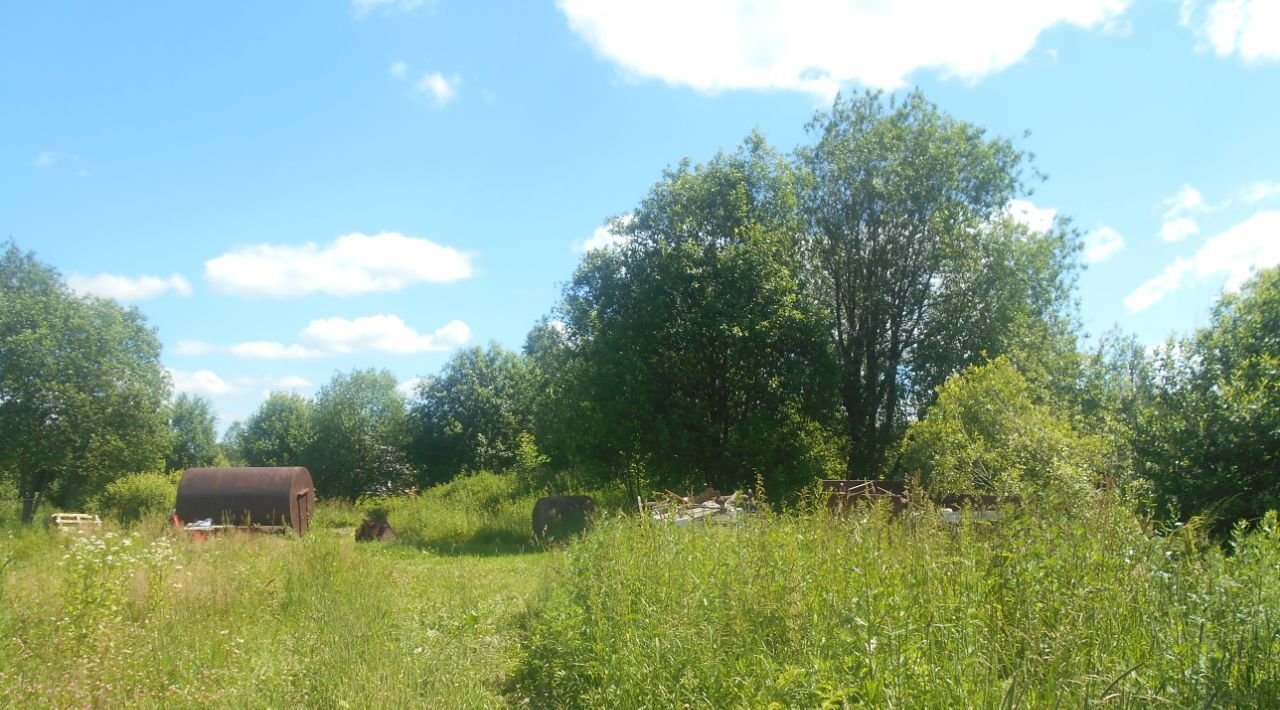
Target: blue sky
290 189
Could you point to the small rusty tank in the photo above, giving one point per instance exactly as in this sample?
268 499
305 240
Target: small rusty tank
276 496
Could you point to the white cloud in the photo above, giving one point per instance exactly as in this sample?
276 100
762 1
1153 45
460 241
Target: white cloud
199 382
408 387
288 382
817 47
605 236
438 87
47 159
1248 28
399 70
1259 191
128 288
340 336
362 8
350 265
1039 219
268 350
1186 201
1175 230
193 347
1177 223
381 333
1235 254
1101 244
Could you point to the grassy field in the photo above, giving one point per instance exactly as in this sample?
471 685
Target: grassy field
797 610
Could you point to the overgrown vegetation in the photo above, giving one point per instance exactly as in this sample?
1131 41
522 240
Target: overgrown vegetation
1045 609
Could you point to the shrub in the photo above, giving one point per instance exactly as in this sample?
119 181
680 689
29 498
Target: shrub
992 431
136 496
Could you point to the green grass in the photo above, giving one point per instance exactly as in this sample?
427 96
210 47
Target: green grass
810 611
797 610
248 620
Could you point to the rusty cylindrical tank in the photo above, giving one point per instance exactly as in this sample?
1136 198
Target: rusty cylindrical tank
242 496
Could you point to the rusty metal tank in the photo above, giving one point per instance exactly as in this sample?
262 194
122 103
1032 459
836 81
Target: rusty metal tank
277 496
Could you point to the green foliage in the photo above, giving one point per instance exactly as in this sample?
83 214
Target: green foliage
692 350
916 263
991 431
192 426
814 611
470 416
1210 440
278 433
82 389
136 496
360 434
478 512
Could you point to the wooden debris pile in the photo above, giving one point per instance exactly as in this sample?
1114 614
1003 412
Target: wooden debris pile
706 507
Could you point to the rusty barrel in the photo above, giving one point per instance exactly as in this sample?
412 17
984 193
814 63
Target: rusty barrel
267 496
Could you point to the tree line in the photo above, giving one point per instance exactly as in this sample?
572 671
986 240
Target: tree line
865 306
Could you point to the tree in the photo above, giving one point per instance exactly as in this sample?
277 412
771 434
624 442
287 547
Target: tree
913 256
470 417
360 435
279 433
82 390
1210 440
193 435
697 356
992 431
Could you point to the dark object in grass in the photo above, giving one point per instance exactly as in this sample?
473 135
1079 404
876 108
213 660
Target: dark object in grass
559 517
375 530
270 497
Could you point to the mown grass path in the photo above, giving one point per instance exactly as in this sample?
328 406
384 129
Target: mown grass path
250 621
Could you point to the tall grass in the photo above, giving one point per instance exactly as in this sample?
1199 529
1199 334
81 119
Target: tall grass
809 611
137 617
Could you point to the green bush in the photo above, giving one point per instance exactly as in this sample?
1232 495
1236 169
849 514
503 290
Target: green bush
992 431
478 511
136 496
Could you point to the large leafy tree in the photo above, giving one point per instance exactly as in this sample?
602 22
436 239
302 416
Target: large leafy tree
193 435
471 415
278 433
916 262
697 354
1210 440
360 435
82 391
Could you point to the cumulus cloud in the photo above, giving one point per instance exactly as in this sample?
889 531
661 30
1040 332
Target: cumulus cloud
1234 254
194 347
817 47
1247 28
408 387
339 336
1101 244
204 382
47 159
350 265
1259 191
382 333
605 236
1178 224
1039 219
128 288
268 350
1175 230
399 70
437 87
